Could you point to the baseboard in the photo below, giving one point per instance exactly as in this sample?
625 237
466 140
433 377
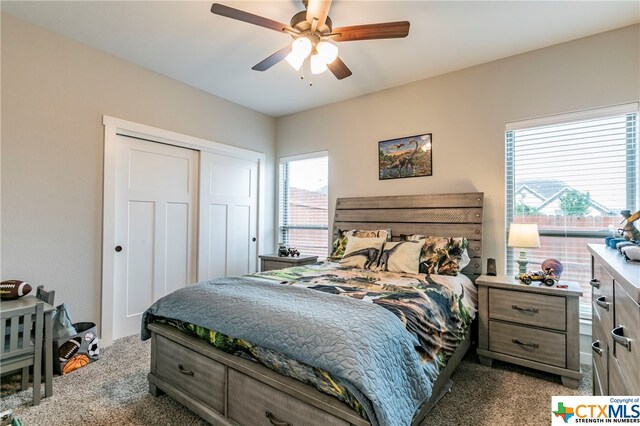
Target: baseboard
585 358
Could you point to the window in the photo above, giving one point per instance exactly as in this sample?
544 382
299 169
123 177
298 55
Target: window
572 175
304 212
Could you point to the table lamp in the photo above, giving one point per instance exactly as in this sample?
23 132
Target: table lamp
522 236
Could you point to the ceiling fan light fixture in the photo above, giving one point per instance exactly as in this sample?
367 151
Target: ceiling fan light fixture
328 51
318 65
301 47
295 61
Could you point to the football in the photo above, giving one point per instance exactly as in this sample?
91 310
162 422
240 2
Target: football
12 289
69 349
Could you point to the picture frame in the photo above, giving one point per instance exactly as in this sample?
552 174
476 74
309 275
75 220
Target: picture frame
406 157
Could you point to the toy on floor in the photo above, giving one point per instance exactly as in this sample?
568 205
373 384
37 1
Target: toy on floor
8 419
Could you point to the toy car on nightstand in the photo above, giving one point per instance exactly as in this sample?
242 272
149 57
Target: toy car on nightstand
548 277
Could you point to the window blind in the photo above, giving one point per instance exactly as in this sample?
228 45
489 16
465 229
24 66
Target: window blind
303 202
572 178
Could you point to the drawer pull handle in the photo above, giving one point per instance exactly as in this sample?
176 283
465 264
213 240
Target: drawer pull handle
600 302
616 333
183 371
520 308
274 420
595 346
595 283
531 345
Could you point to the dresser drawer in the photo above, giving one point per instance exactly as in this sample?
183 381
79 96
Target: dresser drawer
617 380
542 346
600 356
528 308
250 401
602 296
190 372
627 349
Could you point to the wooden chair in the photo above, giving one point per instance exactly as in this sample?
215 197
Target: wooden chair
46 296
18 350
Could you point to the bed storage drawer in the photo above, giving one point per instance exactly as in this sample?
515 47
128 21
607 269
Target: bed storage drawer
191 373
528 343
256 404
528 308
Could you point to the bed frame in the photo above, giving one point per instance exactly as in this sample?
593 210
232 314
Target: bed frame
227 390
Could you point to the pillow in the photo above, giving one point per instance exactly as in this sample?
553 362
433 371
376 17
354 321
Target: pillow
362 252
401 256
340 243
441 255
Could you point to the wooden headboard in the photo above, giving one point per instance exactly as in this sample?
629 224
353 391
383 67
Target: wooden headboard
442 215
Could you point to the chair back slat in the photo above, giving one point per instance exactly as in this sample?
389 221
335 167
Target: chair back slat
13 336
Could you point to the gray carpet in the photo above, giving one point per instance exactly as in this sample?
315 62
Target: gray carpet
113 391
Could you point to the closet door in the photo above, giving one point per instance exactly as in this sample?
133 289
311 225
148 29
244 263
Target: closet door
155 226
228 216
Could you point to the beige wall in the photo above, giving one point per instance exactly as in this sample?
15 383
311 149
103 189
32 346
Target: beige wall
466 111
54 93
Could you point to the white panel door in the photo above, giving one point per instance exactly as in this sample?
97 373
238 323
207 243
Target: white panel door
228 216
155 226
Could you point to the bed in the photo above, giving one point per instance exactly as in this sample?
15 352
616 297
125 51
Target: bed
226 389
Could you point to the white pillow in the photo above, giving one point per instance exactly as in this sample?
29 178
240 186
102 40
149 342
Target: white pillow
464 260
401 256
362 252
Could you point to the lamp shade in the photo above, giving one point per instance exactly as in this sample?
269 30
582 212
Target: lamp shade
524 235
318 66
328 51
301 47
295 61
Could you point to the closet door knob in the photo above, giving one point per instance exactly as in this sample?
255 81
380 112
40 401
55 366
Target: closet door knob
253 239
118 249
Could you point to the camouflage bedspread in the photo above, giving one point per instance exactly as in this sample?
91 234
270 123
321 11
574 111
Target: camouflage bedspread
437 311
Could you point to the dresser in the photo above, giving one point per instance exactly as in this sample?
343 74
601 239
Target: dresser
535 325
616 322
269 262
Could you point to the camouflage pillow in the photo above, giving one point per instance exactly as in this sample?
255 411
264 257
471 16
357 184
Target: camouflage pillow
362 252
340 243
440 255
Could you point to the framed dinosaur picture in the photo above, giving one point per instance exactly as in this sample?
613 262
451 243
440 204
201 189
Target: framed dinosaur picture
405 157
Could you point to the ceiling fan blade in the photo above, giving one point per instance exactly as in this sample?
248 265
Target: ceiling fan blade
240 15
339 69
372 31
272 60
318 9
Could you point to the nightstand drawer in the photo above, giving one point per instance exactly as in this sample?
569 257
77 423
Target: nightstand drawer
542 346
270 265
539 310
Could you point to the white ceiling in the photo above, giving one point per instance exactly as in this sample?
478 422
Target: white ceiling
185 41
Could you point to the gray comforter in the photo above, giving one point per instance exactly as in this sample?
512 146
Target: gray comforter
363 344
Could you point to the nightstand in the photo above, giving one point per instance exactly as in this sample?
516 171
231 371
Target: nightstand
535 325
269 262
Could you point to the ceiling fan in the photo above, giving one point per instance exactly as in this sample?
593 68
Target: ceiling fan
312 31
